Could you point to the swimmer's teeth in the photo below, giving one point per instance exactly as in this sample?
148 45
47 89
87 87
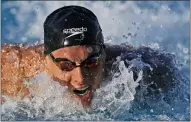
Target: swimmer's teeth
81 89
82 94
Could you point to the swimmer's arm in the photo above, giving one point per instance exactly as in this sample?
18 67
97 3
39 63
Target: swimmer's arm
18 64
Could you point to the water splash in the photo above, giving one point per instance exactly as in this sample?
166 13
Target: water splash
51 101
114 100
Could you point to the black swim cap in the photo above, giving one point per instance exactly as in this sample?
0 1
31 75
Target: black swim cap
69 26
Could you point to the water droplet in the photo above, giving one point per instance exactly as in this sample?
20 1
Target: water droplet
151 111
124 36
129 34
179 45
89 49
23 39
185 50
133 23
65 42
13 11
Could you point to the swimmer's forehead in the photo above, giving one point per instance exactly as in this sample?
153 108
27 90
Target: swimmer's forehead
89 49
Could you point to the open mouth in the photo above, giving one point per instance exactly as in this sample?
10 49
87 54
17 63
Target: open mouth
84 94
81 91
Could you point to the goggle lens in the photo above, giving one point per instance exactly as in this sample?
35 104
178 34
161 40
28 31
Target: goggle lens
92 62
68 66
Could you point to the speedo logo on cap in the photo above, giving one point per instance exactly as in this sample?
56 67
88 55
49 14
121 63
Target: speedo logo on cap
74 30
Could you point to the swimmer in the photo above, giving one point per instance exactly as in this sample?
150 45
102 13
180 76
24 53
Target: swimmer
75 55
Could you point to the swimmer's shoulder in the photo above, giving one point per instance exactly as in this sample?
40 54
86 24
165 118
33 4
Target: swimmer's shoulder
155 57
162 77
113 51
19 62
162 70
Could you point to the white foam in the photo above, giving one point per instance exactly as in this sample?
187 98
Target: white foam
51 99
118 92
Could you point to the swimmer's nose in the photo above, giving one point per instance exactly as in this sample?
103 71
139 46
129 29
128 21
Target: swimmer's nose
77 78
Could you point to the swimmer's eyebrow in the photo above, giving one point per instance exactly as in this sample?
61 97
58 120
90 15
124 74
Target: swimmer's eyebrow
62 59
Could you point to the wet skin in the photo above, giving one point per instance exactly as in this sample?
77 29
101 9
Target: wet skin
79 77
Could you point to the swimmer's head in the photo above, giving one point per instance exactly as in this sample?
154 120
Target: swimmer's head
74 50
69 26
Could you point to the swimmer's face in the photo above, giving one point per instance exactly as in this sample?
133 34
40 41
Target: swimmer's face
81 68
